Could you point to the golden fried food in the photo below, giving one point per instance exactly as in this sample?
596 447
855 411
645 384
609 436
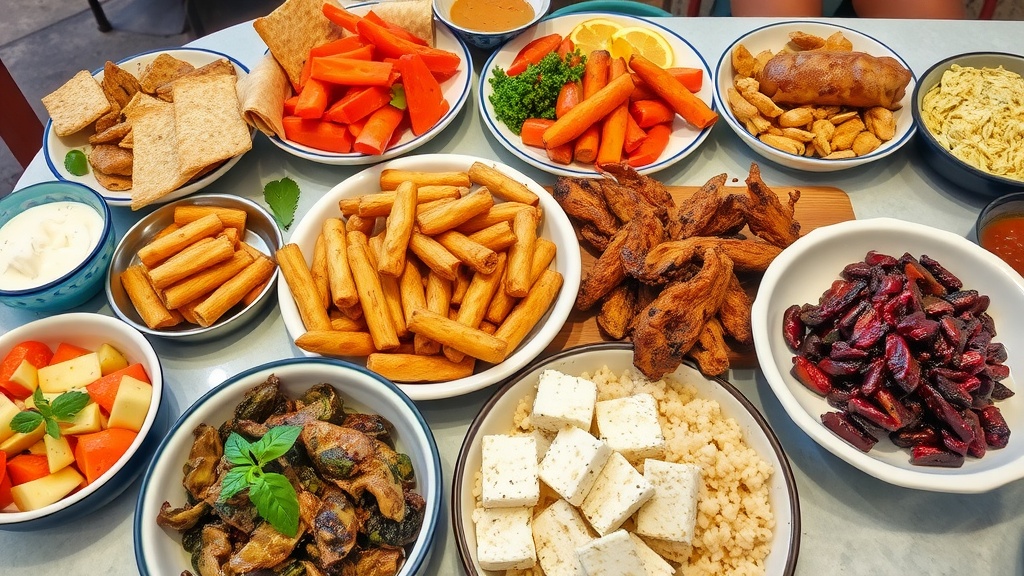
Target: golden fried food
118 84
711 352
606 273
655 192
111 159
834 78
618 310
583 200
735 312
766 215
702 207
729 219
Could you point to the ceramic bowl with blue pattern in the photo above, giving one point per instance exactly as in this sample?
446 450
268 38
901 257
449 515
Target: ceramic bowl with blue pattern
83 281
487 40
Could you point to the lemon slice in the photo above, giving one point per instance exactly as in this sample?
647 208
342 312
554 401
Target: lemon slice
593 34
643 41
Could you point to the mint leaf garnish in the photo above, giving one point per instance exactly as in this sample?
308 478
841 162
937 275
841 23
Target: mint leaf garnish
283 198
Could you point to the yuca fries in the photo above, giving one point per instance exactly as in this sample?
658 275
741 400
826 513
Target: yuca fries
828 132
442 279
196 269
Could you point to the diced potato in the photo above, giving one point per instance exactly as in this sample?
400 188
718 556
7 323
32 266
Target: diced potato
58 452
70 374
89 419
111 359
46 490
26 376
38 447
19 442
130 405
8 409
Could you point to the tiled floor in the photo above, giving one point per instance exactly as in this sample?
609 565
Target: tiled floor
44 42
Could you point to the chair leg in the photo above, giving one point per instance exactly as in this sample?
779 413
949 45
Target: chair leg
194 22
101 17
20 128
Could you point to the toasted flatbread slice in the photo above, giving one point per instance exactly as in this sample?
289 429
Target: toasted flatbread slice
163 69
118 84
128 141
416 16
111 135
208 123
263 92
220 66
156 170
76 104
112 182
293 29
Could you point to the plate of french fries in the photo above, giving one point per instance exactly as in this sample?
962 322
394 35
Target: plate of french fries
444 273
683 138
771 83
183 147
196 268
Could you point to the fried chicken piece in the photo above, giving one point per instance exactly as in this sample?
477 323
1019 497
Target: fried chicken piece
111 159
655 192
729 219
606 273
618 310
645 233
593 237
711 352
834 78
766 215
628 203
734 313
698 211
669 327
671 260
583 200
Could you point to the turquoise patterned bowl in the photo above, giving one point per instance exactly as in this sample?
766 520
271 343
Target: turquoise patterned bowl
86 278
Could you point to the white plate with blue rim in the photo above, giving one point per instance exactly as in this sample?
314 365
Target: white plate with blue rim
56 148
685 139
454 89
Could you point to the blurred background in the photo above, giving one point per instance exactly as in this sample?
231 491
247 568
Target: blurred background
45 42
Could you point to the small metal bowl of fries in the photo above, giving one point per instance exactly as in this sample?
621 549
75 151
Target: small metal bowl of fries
442 298
195 269
779 90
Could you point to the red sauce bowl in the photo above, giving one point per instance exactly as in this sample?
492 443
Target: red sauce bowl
1000 229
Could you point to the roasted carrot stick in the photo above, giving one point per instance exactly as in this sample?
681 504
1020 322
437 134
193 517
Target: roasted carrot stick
389 45
560 154
595 76
358 103
351 71
613 129
340 46
317 134
376 134
652 146
341 17
692 78
568 97
691 108
647 113
289 105
588 112
634 135
533 129
533 52
424 98
313 99
395 29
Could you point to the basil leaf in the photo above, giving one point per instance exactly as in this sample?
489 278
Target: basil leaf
276 501
27 421
76 163
283 198
275 443
234 482
52 429
68 404
238 450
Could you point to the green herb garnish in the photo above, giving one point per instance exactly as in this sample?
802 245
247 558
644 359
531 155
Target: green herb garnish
64 408
283 198
532 93
76 163
271 493
398 96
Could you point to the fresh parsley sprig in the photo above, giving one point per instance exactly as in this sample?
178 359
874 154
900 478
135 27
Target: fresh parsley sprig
272 494
283 198
64 408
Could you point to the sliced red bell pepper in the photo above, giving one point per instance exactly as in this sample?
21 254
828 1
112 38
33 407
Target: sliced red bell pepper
351 72
35 353
533 53
5 482
319 134
97 452
358 103
423 94
104 390
67 351
27 467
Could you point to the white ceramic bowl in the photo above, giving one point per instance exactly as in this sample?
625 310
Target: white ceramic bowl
488 40
774 37
261 232
89 331
158 550
685 139
807 268
554 226
455 90
497 416
56 147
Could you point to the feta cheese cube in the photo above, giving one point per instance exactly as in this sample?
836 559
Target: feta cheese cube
630 426
572 463
654 564
509 470
672 513
543 440
618 492
504 538
557 532
611 555
563 400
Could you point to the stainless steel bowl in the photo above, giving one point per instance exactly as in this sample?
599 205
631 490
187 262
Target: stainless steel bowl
261 232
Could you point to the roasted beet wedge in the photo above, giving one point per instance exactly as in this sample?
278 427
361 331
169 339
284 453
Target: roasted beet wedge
847 430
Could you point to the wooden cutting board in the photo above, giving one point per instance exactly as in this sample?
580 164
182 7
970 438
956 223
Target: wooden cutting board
818 206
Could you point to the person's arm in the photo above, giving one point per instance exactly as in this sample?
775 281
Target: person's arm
938 9
776 7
